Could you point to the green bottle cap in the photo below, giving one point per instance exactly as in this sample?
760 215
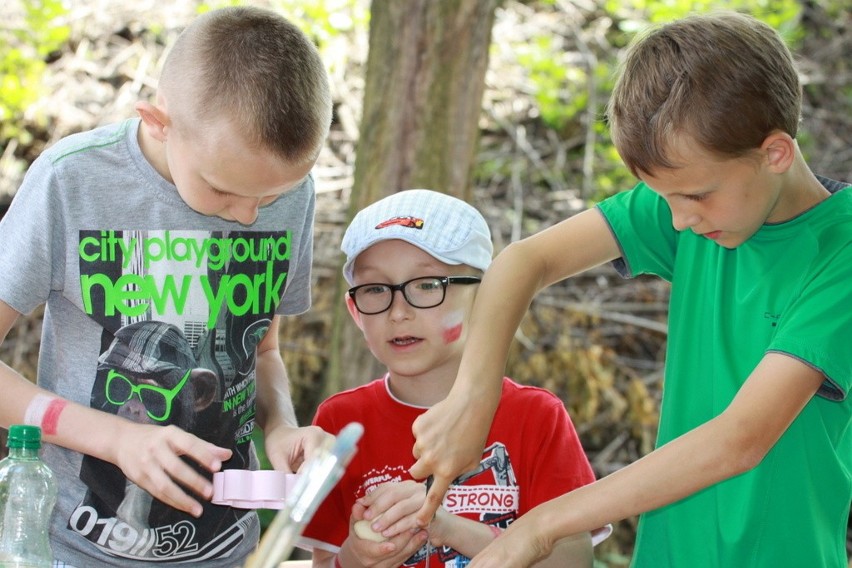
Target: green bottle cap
24 436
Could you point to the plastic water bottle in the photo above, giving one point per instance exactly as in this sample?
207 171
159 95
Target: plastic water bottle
27 497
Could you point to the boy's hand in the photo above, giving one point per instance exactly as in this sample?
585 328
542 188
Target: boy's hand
288 447
519 546
150 457
395 503
450 438
388 554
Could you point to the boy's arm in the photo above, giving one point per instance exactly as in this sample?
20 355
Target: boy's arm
575 551
730 444
287 445
392 504
322 558
358 552
450 435
470 537
150 456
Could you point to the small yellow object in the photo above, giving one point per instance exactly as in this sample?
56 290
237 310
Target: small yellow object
365 531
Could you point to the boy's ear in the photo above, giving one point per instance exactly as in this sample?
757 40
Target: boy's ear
155 119
353 311
780 151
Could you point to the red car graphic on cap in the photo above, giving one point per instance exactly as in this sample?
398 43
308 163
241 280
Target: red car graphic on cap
411 222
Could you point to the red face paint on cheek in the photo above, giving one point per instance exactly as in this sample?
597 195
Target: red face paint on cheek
452 334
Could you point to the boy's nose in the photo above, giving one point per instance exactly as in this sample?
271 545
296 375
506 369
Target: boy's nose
683 220
399 308
245 210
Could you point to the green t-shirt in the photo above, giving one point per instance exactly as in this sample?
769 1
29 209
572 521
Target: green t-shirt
787 289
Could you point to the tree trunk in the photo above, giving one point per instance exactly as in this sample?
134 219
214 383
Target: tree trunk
419 126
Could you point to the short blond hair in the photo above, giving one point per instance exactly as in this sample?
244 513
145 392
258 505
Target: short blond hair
256 68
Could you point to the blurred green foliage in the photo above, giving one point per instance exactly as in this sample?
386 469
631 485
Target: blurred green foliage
325 22
23 53
635 15
562 84
565 81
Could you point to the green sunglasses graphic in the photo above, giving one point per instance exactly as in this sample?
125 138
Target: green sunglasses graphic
157 400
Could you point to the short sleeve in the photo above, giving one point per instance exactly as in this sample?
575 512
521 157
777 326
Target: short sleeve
816 327
31 234
641 223
297 296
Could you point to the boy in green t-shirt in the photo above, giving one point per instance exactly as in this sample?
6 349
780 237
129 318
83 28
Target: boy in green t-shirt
754 459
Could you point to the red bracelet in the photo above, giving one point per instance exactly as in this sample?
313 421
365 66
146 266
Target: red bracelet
495 529
337 563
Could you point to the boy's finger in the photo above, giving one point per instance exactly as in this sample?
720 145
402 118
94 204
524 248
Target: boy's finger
207 455
165 488
183 502
421 469
188 478
434 497
182 475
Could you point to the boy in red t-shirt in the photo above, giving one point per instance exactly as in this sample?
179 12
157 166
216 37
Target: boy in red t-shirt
432 249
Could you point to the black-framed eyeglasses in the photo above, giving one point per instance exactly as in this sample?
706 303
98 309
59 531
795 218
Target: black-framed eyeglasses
423 292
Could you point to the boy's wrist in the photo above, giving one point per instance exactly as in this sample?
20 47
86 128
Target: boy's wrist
495 530
480 394
444 529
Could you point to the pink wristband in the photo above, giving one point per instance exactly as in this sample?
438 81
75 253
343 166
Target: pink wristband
495 530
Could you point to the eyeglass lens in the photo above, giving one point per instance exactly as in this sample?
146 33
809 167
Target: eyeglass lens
421 293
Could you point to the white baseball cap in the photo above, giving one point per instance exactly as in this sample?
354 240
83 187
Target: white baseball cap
444 226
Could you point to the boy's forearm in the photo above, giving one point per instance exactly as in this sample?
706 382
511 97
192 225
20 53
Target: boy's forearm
273 399
17 392
63 422
461 534
274 403
469 537
322 559
726 446
502 300
664 476
88 431
515 276
574 551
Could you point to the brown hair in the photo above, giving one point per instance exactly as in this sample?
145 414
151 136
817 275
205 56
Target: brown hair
724 79
254 67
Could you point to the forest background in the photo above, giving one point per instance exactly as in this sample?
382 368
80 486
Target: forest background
542 153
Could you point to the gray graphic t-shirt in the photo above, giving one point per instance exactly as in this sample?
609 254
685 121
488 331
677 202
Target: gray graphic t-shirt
153 312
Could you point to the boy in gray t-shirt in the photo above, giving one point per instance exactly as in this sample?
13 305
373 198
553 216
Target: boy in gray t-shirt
165 249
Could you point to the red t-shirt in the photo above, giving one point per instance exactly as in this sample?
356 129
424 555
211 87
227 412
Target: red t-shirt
532 455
